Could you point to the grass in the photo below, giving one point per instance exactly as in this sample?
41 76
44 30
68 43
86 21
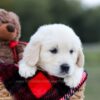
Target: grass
92 65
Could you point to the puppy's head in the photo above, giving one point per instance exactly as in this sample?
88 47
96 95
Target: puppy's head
56 49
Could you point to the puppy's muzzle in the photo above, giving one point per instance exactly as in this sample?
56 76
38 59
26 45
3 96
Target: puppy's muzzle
64 68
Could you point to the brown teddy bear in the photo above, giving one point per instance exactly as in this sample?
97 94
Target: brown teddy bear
10 48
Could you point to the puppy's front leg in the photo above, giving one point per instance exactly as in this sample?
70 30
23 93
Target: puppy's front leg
25 70
27 66
74 80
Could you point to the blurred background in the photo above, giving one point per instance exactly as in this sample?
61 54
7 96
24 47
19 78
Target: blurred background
82 15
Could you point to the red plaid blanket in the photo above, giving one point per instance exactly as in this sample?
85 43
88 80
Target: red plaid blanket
40 87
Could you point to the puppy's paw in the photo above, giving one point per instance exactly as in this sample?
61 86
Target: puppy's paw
75 79
71 82
26 71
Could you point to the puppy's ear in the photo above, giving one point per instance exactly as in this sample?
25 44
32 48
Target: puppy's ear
80 59
31 53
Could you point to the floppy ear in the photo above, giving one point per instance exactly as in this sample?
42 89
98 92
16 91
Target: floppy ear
31 53
80 59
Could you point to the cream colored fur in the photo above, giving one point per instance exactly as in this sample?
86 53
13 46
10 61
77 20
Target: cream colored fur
37 53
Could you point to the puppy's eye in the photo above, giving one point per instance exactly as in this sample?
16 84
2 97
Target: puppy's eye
54 50
71 51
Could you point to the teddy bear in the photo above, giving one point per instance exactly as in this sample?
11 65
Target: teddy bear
11 48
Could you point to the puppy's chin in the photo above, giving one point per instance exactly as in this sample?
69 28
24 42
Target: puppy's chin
59 74
63 75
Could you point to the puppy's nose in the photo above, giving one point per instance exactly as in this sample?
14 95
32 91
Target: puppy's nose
10 28
64 68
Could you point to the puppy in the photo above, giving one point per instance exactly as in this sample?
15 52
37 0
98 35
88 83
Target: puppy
57 50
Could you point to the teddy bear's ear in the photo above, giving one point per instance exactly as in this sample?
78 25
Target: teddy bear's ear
2 11
3 15
14 15
16 21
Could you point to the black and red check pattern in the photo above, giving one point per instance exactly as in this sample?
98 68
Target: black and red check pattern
19 88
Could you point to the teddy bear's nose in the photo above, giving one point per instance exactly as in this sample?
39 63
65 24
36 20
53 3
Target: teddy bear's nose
10 28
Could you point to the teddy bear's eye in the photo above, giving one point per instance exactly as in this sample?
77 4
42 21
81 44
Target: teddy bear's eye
71 51
4 21
54 50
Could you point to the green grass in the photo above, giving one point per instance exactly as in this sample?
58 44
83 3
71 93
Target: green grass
92 65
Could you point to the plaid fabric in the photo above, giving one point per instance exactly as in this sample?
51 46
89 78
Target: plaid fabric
72 91
18 86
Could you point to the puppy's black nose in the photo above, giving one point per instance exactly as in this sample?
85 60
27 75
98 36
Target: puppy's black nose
10 28
64 68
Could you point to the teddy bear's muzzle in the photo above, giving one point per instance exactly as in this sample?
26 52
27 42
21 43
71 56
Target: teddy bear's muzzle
10 28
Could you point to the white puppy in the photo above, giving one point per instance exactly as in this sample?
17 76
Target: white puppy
57 50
